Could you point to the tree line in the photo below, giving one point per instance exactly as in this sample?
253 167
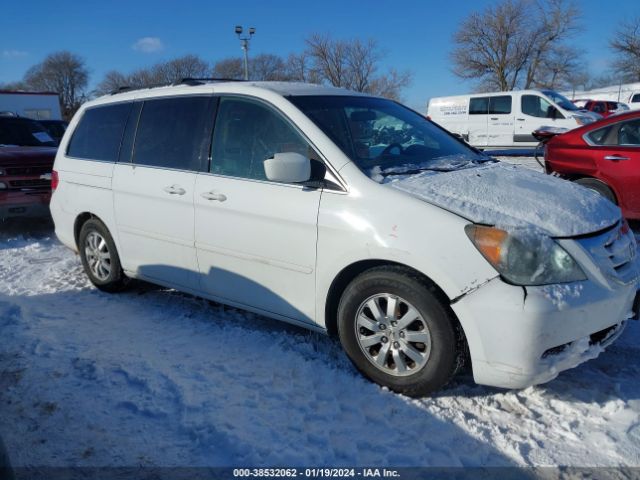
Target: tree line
352 63
508 45
527 44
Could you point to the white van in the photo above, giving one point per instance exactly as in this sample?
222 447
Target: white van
351 215
505 119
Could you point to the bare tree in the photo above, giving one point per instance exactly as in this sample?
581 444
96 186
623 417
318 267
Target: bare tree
267 66
298 67
189 66
229 68
329 58
511 44
626 45
64 73
353 64
111 82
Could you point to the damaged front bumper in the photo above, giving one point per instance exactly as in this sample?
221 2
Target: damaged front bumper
523 336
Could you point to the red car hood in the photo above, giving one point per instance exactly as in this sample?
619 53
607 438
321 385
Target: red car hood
27 155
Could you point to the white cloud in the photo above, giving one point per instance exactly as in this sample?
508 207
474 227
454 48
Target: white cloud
148 45
13 53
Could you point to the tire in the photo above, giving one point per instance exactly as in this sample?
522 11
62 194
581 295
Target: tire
100 258
433 334
598 187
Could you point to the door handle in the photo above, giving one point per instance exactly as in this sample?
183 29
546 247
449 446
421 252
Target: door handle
615 158
520 119
220 197
494 118
175 190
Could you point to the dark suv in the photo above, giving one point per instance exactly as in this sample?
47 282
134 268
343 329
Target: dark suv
27 152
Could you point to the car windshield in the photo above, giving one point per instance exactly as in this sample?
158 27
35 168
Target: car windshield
384 138
24 133
560 100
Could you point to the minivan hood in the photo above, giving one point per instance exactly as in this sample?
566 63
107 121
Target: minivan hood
508 196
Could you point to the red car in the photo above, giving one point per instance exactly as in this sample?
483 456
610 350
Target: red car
605 108
27 153
603 156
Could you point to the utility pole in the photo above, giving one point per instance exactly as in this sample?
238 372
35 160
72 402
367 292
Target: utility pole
244 44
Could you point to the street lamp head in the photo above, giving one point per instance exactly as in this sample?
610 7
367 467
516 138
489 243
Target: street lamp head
252 30
238 29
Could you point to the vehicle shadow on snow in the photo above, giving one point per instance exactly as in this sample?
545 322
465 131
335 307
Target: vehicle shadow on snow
157 366
24 229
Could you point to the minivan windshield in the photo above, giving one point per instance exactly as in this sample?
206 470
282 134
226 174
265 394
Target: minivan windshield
384 138
560 100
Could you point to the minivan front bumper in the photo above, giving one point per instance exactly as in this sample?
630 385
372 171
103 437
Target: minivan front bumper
523 336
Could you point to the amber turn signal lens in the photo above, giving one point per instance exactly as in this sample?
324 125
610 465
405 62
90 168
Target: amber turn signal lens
490 241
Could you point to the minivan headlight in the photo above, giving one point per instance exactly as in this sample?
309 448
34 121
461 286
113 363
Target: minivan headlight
525 257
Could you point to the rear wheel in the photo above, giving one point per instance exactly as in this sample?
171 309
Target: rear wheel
99 256
397 332
598 187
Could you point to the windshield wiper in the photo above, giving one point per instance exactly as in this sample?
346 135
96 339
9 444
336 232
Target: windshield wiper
442 168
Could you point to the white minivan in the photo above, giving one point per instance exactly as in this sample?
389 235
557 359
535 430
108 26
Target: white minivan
351 215
506 119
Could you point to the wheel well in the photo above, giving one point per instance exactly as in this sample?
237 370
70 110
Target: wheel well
574 178
352 271
77 226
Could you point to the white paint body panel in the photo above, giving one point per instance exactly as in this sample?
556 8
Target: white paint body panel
276 249
258 246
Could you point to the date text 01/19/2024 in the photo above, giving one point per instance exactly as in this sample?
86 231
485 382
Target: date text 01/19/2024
315 472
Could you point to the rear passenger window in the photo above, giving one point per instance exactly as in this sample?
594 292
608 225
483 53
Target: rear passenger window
600 136
174 133
99 133
479 106
635 98
500 105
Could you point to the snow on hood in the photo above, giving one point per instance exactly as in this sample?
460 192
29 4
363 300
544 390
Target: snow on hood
509 196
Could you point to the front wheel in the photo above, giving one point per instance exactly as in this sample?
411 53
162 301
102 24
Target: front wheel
99 257
397 333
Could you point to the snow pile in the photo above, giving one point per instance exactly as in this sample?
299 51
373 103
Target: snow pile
152 377
510 196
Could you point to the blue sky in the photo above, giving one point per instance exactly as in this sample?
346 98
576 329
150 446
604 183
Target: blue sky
415 35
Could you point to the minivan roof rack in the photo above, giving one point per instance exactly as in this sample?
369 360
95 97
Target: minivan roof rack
183 81
201 81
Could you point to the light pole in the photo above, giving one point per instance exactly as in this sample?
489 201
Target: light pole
245 46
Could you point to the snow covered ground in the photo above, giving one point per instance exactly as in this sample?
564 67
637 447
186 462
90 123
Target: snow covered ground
152 377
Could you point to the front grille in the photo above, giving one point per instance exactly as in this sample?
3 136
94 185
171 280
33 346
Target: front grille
614 253
26 171
39 184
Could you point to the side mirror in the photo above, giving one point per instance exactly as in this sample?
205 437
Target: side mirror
288 167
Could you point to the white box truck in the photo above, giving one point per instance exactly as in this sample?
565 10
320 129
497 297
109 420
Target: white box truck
505 119
36 105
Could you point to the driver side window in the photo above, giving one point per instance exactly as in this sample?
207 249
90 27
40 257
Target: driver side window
246 134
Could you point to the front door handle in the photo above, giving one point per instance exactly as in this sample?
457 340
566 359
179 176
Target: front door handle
175 190
615 158
220 197
520 119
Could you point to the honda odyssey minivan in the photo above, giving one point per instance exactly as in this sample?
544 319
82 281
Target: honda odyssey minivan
351 215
